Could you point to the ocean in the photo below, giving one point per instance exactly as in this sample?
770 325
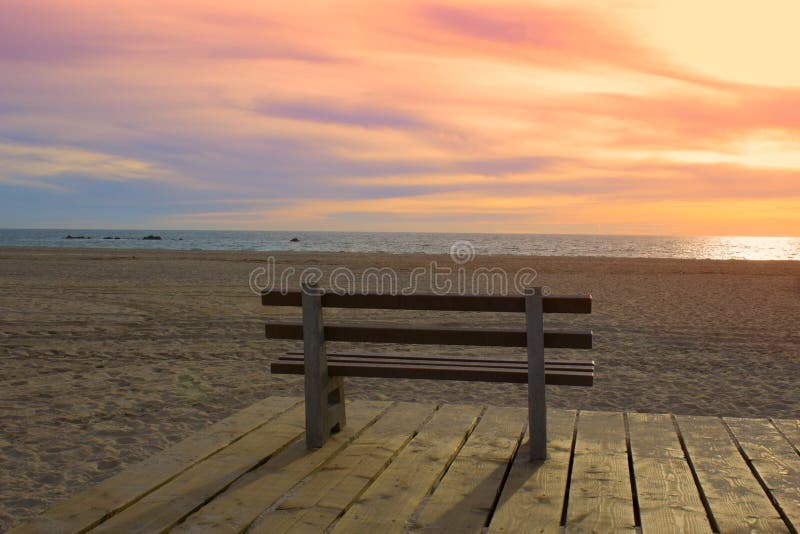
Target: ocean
723 248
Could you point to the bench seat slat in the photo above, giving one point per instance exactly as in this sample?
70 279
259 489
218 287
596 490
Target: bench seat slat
483 364
437 372
447 358
432 335
431 302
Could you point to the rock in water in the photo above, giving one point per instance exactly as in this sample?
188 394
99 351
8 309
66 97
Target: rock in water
152 237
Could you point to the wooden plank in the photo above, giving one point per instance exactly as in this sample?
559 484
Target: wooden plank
791 429
537 407
553 368
420 301
240 505
442 362
423 361
322 415
89 508
431 372
533 496
737 501
388 504
165 507
600 498
413 359
447 358
434 335
775 460
466 495
669 500
315 505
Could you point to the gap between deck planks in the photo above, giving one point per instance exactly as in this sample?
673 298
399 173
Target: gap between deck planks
600 498
466 496
667 495
774 460
389 503
163 508
89 508
237 508
400 467
318 501
737 500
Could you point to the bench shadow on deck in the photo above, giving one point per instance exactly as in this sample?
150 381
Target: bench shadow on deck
454 468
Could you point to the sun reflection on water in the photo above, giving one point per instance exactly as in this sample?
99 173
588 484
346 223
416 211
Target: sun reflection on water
746 248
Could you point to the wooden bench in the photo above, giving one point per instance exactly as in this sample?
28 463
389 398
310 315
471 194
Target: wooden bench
324 394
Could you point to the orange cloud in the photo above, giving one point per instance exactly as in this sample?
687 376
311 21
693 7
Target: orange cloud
469 115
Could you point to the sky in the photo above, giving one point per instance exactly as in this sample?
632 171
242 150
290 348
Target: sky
611 117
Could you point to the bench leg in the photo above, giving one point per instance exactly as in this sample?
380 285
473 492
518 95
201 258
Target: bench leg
537 408
324 395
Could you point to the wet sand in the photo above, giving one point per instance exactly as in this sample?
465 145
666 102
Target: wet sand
107 357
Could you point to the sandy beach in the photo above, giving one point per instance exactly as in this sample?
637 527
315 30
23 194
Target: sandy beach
110 356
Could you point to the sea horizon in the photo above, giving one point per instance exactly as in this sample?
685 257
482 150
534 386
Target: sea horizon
775 248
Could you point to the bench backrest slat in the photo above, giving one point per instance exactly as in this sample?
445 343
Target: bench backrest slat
431 302
428 335
508 375
403 359
431 358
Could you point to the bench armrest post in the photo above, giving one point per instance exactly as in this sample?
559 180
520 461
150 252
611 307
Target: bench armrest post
324 395
537 407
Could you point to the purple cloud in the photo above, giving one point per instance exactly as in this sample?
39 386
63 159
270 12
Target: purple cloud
486 26
42 30
335 113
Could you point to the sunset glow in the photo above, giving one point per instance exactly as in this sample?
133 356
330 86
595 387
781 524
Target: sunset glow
631 117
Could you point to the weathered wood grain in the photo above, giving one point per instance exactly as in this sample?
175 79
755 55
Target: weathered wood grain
790 429
464 499
89 508
421 301
433 335
533 496
600 498
434 359
569 376
537 406
240 505
669 500
775 460
737 501
166 506
388 504
317 382
418 468
315 505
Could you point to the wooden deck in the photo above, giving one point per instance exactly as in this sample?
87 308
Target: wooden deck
454 468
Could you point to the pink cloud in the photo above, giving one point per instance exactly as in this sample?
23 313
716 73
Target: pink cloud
555 36
55 31
572 33
655 181
685 121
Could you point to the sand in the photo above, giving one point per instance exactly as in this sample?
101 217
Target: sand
107 357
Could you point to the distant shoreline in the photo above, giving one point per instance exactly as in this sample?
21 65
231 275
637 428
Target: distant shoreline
466 245
427 255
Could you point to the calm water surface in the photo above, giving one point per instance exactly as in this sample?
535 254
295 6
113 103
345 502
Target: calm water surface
748 248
